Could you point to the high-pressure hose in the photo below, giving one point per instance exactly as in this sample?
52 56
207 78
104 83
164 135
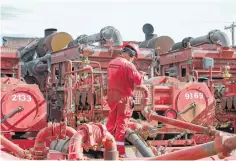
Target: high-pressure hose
142 147
140 126
222 145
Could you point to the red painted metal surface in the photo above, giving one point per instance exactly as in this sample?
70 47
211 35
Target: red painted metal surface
17 94
23 107
189 64
102 55
75 146
191 102
10 62
197 53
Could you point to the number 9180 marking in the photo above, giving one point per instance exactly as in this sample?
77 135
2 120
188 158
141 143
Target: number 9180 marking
195 95
21 97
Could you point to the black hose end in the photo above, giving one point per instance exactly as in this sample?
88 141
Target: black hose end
185 41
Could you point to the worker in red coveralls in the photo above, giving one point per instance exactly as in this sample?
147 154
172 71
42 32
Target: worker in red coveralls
121 77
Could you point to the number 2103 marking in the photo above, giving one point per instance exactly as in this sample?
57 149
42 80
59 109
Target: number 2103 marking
195 95
21 97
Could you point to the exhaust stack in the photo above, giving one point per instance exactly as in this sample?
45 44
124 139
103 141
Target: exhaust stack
148 31
49 31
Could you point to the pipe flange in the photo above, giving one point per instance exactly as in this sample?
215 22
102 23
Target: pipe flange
57 131
210 34
88 128
185 41
103 131
105 36
128 133
50 129
54 129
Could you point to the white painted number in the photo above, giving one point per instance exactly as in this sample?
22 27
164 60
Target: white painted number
21 97
195 95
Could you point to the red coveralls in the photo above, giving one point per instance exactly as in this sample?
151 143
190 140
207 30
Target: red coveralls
121 75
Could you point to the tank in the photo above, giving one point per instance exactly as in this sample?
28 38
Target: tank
23 107
52 43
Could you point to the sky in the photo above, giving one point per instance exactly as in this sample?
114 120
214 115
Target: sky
175 18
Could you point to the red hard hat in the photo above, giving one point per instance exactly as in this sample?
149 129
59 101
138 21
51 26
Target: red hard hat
133 46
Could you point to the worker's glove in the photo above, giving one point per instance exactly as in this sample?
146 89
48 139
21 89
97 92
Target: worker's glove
143 73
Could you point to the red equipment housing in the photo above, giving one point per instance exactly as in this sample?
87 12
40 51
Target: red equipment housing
186 61
27 100
190 102
23 107
210 63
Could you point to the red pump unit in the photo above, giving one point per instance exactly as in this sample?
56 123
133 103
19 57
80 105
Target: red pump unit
23 107
185 101
209 59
